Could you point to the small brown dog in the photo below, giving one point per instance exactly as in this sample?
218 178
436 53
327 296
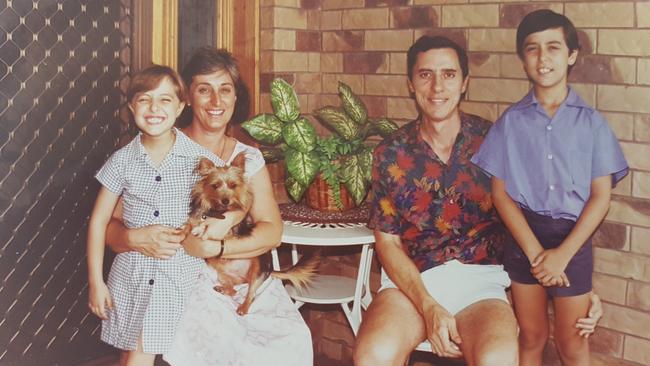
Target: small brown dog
223 189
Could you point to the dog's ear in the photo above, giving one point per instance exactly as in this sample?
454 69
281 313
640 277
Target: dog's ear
204 166
239 161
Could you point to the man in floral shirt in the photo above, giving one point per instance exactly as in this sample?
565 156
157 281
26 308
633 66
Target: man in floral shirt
437 234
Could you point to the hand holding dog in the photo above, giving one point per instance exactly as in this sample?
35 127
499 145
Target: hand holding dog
99 300
157 241
213 228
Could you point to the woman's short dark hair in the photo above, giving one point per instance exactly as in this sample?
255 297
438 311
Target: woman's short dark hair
541 20
206 60
149 79
426 43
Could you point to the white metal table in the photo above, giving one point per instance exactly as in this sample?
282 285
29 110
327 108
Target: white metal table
351 294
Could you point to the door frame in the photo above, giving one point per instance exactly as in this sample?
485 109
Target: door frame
155 37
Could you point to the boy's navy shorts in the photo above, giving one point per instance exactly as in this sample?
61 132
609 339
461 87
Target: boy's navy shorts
551 232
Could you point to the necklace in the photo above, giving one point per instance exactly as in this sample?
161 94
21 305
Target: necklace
223 148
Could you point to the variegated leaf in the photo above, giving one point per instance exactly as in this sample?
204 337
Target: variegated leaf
301 166
352 104
338 120
353 178
384 127
295 189
284 100
265 128
365 162
300 135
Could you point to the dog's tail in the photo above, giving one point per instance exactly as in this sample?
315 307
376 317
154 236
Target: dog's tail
302 273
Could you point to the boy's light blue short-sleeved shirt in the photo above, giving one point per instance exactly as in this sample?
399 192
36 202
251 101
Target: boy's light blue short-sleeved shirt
548 163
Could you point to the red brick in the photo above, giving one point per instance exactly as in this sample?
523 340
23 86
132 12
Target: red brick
308 41
266 78
310 4
363 62
456 35
376 106
512 14
415 17
595 69
585 43
610 235
376 3
343 41
606 342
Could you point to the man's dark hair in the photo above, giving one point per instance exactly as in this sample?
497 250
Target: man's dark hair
541 20
426 43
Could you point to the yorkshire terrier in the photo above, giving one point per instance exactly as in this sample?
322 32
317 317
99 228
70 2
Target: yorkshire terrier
223 189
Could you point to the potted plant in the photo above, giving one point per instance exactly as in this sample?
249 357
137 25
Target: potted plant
343 160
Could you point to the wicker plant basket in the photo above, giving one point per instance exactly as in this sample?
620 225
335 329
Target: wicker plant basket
319 196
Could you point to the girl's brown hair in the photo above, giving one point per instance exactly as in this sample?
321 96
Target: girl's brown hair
149 79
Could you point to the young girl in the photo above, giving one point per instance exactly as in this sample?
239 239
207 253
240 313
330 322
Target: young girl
553 161
153 174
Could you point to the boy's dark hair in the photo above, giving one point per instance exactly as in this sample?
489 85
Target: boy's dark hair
206 60
149 79
541 20
425 43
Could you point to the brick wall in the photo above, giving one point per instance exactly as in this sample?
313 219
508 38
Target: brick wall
315 43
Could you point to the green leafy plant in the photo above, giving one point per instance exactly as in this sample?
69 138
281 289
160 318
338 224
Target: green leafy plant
343 158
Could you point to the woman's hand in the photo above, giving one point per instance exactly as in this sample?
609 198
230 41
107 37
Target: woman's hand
99 298
442 332
214 229
200 248
548 268
157 241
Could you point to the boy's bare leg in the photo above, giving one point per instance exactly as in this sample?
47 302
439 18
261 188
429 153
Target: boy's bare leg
572 348
530 306
488 330
390 330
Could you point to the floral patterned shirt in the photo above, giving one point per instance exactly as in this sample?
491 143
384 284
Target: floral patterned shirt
440 211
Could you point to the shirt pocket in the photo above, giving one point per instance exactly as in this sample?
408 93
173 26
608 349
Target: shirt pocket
580 164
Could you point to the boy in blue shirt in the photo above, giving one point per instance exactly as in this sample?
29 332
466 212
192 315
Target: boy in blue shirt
553 161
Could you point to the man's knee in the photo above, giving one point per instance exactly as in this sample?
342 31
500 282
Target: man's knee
378 352
500 355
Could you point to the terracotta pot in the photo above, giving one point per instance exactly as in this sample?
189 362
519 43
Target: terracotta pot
319 196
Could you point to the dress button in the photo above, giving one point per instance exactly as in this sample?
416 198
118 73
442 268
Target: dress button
549 156
551 187
156 213
151 282
158 178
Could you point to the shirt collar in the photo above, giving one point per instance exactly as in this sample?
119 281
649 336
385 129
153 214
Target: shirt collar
465 129
572 99
182 145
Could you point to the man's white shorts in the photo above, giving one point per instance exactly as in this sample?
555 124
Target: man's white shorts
455 285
